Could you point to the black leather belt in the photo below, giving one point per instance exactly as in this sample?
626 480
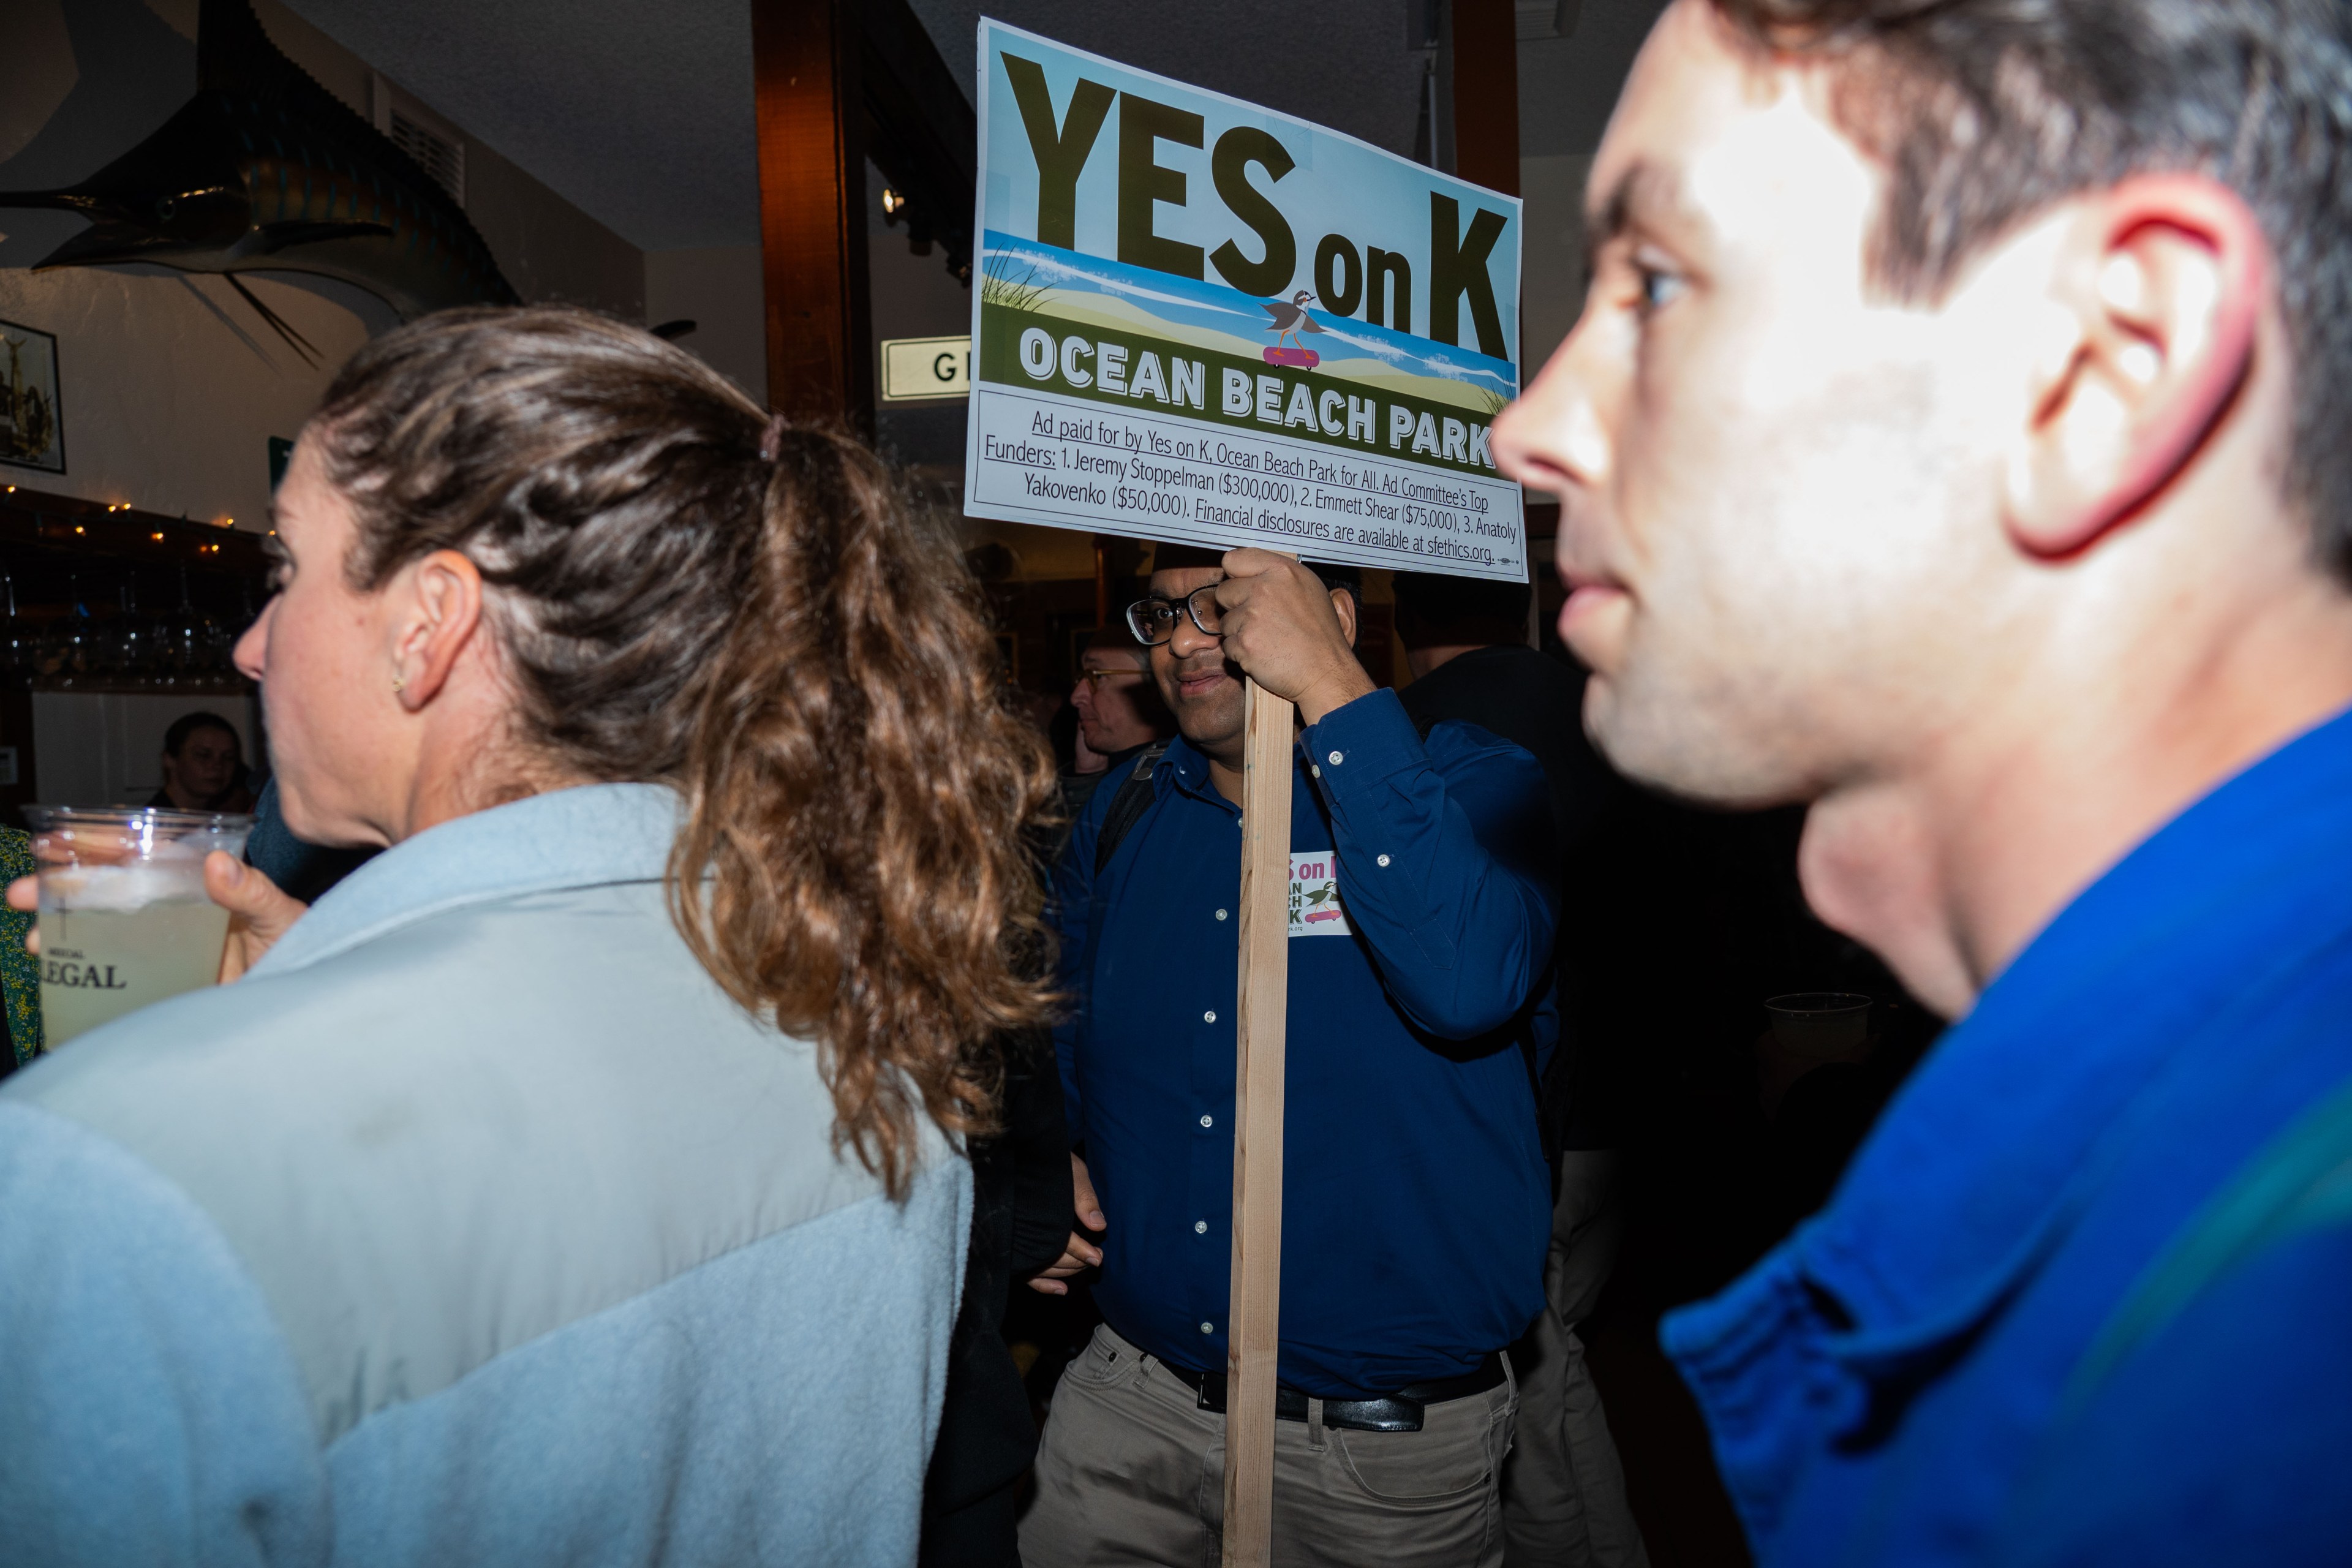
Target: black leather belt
1399 1412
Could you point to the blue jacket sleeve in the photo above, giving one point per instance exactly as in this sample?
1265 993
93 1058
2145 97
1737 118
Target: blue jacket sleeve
2225 1437
1446 861
149 1411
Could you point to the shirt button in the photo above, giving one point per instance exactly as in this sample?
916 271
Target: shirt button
1333 759
1208 1327
1209 1018
1315 768
1381 861
1220 914
1199 1227
1208 1121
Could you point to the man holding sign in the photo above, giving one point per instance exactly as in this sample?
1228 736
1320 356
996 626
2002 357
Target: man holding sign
1415 1195
1200 320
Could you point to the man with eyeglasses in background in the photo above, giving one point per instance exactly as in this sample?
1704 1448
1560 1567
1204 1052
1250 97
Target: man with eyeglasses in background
1416 1204
1118 707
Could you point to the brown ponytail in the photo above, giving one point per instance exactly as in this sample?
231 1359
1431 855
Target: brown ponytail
785 640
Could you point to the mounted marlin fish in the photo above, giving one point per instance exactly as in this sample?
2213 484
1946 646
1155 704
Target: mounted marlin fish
266 171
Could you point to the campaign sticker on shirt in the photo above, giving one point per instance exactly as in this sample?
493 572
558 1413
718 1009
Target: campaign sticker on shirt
1315 907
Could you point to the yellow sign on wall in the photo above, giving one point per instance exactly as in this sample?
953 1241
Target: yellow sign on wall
925 367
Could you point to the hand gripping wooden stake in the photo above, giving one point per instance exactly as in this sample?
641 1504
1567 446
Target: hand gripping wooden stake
1253 1333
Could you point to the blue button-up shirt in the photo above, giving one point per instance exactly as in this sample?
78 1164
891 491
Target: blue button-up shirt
1415 1199
2085 1294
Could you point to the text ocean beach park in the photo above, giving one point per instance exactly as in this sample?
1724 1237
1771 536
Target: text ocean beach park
1157 351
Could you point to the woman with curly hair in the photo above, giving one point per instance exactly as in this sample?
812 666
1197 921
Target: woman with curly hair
579 1182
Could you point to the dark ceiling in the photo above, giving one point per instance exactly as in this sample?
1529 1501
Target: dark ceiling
1342 63
641 114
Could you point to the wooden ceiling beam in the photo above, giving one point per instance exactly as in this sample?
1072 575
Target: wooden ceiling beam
1486 93
811 108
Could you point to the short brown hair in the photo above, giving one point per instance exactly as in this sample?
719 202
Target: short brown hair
1987 111
1432 610
754 615
184 727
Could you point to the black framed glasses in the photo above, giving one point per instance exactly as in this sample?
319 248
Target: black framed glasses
1153 621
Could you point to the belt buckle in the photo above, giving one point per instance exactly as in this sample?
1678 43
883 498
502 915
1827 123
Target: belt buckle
1389 1414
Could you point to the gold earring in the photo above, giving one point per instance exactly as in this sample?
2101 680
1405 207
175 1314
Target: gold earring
398 686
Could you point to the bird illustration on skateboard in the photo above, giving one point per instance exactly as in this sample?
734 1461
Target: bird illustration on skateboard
1290 319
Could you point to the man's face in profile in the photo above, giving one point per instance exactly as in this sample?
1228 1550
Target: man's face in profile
1114 709
1780 488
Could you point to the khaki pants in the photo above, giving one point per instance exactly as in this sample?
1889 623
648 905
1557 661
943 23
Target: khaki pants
1130 1471
1563 1490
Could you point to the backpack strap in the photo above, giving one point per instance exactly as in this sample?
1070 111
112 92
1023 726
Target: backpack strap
1128 806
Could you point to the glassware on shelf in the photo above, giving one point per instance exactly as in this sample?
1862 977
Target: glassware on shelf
17 643
71 653
224 647
87 629
182 641
126 643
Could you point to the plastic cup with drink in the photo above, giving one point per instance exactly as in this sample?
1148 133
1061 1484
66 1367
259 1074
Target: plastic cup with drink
124 918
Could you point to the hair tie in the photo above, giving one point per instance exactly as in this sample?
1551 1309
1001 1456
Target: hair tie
771 439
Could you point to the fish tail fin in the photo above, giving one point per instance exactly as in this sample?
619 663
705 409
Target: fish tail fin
279 324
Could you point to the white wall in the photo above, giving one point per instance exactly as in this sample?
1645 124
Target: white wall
93 748
550 251
171 386
721 289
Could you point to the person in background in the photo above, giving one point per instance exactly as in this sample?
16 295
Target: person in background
1020 1220
1021 1203
1118 706
1466 642
1563 1487
1953 440
574 1184
1021 1210
203 766
1415 1199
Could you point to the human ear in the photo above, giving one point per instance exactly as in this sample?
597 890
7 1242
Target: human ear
440 612
1343 604
2162 280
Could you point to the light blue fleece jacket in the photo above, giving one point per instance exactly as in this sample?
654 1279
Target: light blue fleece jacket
475 1225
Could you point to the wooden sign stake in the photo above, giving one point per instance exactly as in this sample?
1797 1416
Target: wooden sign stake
1253 1333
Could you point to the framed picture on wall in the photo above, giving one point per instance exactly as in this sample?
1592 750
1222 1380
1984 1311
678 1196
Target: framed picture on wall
32 427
